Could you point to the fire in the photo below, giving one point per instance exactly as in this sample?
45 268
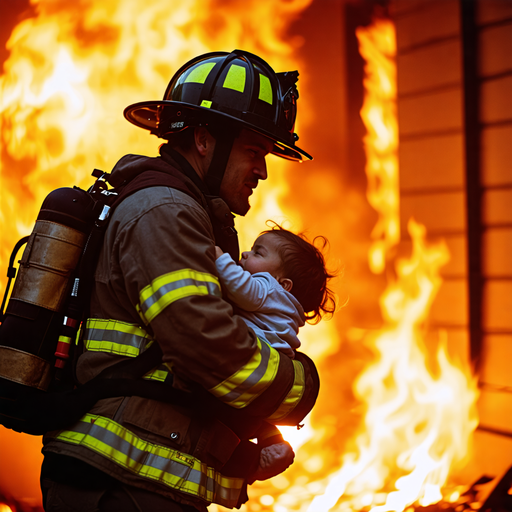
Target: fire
420 410
377 47
419 420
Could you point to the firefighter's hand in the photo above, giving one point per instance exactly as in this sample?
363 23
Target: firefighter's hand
274 459
218 252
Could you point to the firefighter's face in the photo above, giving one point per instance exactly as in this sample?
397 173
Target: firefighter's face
246 166
263 256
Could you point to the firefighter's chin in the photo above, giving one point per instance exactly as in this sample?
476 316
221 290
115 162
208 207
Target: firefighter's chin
239 205
243 205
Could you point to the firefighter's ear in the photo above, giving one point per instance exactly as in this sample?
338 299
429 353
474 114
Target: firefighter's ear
286 283
203 140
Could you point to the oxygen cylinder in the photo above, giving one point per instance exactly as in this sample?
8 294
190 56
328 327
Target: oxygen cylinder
36 310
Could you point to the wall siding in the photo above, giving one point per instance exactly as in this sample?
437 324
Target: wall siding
432 163
496 149
496 100
431 91
494 21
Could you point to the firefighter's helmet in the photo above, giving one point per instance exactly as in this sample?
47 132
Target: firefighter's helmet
220 88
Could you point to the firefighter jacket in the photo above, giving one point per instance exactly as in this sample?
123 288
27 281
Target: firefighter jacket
156 282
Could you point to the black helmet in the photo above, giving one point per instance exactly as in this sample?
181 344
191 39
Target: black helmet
221 88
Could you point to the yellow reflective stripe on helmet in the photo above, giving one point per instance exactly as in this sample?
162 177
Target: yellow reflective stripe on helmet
251 380
115 337
172 468
166 289
200 73
235 79
206 104
294 395
265 89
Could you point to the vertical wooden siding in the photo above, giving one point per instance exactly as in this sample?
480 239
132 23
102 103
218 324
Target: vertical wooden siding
434 186
494 28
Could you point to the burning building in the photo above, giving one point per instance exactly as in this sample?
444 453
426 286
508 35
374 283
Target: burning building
405 106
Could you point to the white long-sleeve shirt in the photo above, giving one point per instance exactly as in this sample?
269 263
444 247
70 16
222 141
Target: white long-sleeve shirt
274 314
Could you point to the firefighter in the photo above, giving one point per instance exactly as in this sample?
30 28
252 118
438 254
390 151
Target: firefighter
156 283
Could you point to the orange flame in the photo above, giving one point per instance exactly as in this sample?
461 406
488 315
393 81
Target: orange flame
419 421
378 47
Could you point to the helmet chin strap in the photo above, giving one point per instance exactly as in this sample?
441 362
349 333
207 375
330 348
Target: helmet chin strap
224 140
219 212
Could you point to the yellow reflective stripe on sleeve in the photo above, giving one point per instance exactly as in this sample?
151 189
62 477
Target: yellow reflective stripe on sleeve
141 314
235 79
166 289
199 74
64 339
172 468
250 381
115 337
265 89
159 374
294 395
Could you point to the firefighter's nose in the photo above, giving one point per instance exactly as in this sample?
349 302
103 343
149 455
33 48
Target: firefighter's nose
261 170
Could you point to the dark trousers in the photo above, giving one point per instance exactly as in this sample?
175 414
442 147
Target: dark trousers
58 497
85 489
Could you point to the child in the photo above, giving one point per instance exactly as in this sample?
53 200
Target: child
278 285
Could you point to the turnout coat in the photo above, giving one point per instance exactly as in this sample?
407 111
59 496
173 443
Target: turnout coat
156 282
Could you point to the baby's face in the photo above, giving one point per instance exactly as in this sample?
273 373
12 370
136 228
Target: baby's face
263 257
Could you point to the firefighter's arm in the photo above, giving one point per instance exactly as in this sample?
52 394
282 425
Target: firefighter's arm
268 434
168 263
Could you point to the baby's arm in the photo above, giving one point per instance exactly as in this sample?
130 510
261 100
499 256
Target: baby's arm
247 291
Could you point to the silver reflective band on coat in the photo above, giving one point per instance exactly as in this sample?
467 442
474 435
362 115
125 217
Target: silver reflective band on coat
172 468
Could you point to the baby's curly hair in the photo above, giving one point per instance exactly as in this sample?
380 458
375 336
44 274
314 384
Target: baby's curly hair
304 263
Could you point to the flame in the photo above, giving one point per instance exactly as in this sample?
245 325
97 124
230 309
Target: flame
419 421
420 415
378 47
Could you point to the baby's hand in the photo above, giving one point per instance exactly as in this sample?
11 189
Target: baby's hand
218 252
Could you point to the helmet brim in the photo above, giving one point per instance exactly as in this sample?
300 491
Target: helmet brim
145 115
